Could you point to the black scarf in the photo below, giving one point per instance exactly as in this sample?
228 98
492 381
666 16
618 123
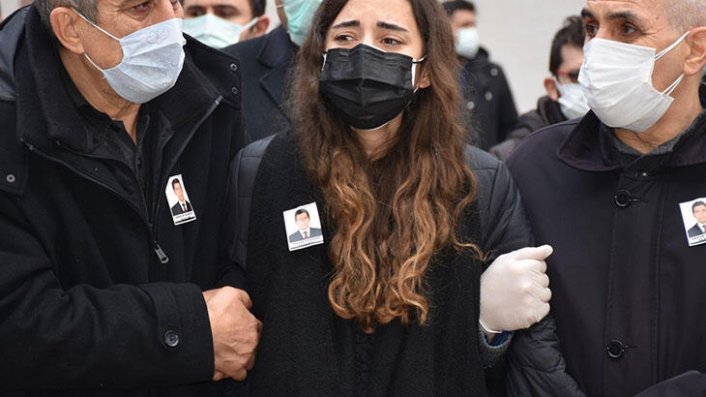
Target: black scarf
307 350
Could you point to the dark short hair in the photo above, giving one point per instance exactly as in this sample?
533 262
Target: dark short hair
257 7
455 5
697 204
571 33
301 211
175 181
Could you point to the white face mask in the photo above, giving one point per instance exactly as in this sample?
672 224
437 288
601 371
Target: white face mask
617 78
152 61
467 42
572 99
215 31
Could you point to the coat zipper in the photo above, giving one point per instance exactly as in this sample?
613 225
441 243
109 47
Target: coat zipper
151 228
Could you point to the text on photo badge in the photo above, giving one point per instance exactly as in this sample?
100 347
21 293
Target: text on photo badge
303 227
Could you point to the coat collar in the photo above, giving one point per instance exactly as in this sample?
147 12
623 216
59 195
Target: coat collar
590 147
48 116
277 53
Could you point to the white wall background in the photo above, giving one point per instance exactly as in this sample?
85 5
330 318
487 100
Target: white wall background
517 33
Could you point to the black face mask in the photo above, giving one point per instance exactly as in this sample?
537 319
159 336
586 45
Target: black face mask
367 86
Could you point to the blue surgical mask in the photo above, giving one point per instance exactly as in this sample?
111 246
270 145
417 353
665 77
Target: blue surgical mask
152 61
215 31
300 15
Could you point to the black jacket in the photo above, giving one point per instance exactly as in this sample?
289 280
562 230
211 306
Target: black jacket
488 106
100 294
628 290
548 112
266 63
503 227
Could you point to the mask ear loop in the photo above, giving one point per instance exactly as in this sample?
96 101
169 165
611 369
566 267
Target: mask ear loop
668 91
671 46
414 71
323 55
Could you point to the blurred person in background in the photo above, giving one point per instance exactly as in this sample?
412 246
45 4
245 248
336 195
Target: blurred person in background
266 63
565 98
489 108
220 23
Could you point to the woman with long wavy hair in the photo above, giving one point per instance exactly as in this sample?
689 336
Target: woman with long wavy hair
386 298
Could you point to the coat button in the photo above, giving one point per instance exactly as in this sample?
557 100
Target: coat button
171 338
470 105
10 178
623 199
235 90
233 67
615 349
488 96
494 72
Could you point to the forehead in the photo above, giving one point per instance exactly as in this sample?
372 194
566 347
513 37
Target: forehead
239 4
462 15
302 215
643 10
370 12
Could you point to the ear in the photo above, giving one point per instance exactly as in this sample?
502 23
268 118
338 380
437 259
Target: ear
423 80
66 25
261 26
696 59
550 87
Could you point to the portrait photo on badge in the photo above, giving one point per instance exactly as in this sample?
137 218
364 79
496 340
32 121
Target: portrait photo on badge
694 217
179 204
303 227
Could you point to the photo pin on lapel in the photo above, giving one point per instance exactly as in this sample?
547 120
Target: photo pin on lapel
693 215
178 199
303 227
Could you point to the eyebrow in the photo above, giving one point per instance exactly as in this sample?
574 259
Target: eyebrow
391 26
346 24
625 15
382 25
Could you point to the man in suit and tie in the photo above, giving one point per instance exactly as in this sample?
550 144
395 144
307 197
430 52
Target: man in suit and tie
301 216
699 211
182 206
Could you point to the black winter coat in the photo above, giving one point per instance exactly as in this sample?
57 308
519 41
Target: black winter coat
548 112
100 293
266 63
628 289
489 108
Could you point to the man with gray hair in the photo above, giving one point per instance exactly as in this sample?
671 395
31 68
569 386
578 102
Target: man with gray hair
102 291
628 283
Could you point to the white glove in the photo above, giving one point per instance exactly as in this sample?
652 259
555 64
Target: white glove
514 290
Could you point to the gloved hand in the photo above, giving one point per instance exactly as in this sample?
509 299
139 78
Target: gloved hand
514 290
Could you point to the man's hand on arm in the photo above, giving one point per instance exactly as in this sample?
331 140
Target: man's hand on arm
236 332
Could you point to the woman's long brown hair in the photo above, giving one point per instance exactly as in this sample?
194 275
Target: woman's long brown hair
392 213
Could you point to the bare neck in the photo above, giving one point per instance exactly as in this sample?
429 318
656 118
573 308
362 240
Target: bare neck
375 142
95 89
683 111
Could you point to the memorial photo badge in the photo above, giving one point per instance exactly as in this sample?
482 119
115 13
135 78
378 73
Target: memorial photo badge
694 217
178 199
303 227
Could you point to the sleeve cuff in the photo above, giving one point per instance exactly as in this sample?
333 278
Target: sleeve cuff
492 352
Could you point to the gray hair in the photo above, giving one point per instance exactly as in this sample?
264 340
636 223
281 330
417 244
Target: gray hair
685 14
88 8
